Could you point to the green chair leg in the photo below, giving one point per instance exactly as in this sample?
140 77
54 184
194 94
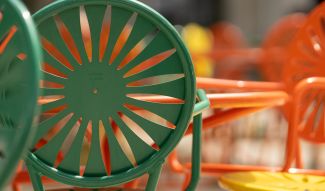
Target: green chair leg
196 153
200 106
35 178
153 178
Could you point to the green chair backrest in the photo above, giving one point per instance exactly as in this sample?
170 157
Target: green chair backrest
20 57
100 56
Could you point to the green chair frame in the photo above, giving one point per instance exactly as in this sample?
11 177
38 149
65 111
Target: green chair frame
104 62
20 57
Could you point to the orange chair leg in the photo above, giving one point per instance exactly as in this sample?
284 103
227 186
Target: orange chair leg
186 181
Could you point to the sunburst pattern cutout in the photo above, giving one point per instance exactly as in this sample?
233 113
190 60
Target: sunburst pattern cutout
307 56
103 68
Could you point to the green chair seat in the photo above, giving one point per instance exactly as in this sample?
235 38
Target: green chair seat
20 56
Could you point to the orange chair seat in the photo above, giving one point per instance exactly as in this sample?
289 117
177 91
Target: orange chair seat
272 181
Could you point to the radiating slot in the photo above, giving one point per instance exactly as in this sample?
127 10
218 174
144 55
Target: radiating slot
53 51
125 146
124 36
143 135
47 84
162 99
68 39
55 129
150 116
50 69
48 99
85 31
55 109
155 80
104 147
149 63
66 145
138 48
105 32
6 38
53 78
84 155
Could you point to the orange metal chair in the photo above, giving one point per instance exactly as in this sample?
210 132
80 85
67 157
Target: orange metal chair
228 37
233 57
276 44
241 103
276 41
271 59
303 124
232 106
305 54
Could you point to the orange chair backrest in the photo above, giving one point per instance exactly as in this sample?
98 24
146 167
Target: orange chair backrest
306 59
276 41
227 36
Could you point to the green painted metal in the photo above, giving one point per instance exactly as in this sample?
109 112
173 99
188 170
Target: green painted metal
153 178
20 56
100 55
196 152
203 103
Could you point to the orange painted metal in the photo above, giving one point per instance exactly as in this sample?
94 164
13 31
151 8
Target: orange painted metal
251 54
230 53
276 43
247 99
227 36
299 126
220 84
221 117
233 57
22 177
302 60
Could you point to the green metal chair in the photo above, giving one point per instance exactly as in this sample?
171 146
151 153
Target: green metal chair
119 70
20 56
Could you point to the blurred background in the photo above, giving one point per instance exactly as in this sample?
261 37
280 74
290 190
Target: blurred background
255 139
252 16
